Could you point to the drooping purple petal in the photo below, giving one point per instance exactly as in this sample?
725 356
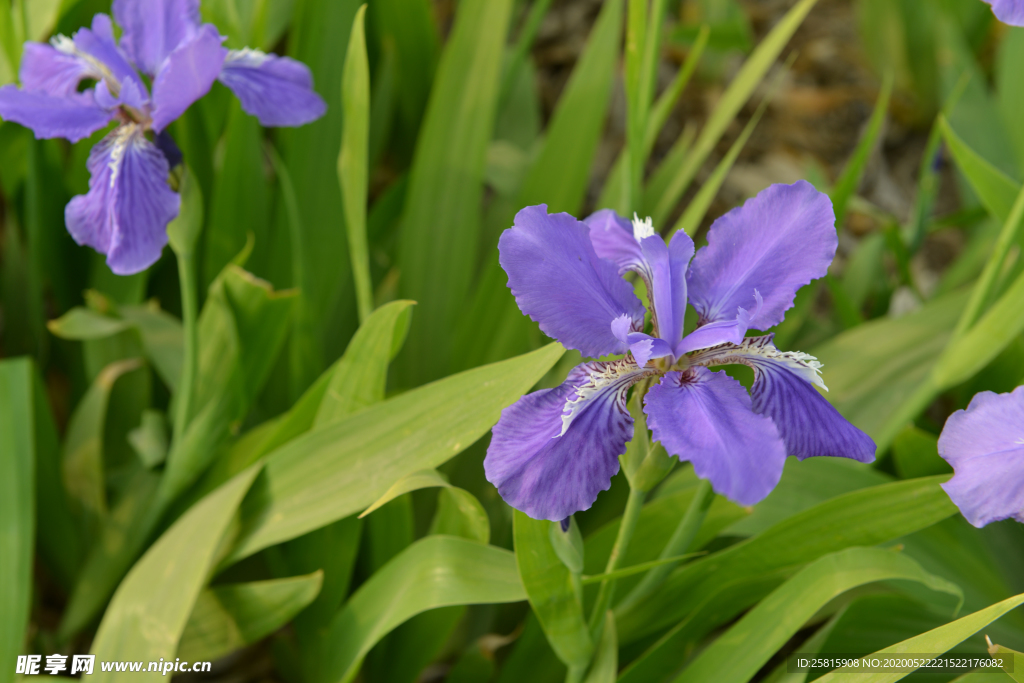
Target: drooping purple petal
612 237
668 282
784 390
985 446
276 90
1008 11
553 451
129 203
154 28
706 417
98 43
48 70
186 75
777 242
560 282
74 117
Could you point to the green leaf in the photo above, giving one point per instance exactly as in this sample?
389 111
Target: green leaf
459 513
229 617
732 100
996 190
17 506
334 472
741 651
915 454
865 517
440 226
1013 661
936 641
551 592
568 545
162 340
353 159
606 659
149 439
84 323
184 230
435 572
358 380
150 609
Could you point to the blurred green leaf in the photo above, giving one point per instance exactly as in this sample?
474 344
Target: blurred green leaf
849 180
936 641
412 482
150 609
162 340
339 470
1014 661
1009 89
741 651
149 439
228 617
17 506
9 46
996 190
434 572
866 517
459 513
184 230
568 545
441 223
915 453
551 592
605 667
84 323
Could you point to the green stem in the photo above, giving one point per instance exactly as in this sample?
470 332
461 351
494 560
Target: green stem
677 545
606 592
190 363
575 674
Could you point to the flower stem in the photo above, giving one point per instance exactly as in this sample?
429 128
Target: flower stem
677 545
190 362
606 592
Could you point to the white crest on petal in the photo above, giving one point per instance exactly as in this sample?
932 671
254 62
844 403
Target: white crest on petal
753 348
1020 441
123 136
248 57
597 377
642 228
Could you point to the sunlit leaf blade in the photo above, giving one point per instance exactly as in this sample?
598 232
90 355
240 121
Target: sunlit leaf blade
741 651
412 482
434 572
1013 661
995 189
17 507
84 323
459 513
150 609
353 159
552 595
334 472
936 641
440 226
229 617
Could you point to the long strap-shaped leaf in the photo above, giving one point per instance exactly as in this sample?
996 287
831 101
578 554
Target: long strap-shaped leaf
435 572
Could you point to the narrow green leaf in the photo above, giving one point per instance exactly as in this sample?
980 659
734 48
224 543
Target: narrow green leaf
150 609
866 517
184 230
359 378
17 507
334 472
1013 661
915 454
996 190
149 439
434 572
936 641
162 340
735 96
636 569
741 651
229 617
459 513
849 180
605 668
84 323
440 227
551 592
411 482
353 159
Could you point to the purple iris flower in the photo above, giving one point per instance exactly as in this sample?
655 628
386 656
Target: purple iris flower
1008 11
554 450
129 203
985 446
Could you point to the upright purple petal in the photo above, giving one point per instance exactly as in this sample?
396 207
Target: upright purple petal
560 282
186 75
276 90
775 243
1008 11
48 70
728 331
612 237
706 417
985 446
154 28
784 390
129 203
99 44
553 451
668 282
74 117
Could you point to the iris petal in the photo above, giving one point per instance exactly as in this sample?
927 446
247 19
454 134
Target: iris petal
98 43
154 28
186 75
559 281
985 446
1008 11
129 203
74 117
706 417
276 90
775 243
553 451
46 69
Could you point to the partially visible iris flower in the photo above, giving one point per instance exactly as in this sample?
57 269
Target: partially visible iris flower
129 203
1008 11
553 451
985 446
